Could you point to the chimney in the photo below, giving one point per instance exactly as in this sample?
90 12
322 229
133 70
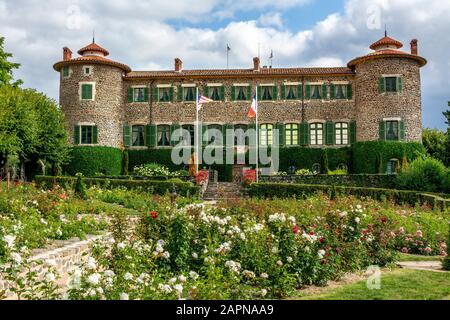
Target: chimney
256 66
414 48
67 54
178 65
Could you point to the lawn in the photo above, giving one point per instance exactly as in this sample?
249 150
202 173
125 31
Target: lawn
398 284
403 257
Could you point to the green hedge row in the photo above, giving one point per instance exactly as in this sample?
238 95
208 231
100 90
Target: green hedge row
157 187
93 160
284 190
372 156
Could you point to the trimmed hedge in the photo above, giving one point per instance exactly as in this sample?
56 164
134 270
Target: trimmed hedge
92 160
384 181
285 190
365 154
157 187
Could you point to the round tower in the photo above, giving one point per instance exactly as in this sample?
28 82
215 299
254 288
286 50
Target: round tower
91 96
388 92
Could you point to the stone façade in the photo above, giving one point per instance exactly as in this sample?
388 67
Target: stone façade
110 110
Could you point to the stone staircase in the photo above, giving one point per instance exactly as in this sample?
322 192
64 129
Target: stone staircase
223 191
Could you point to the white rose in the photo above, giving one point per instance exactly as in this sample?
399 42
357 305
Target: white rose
94 279
16 257
50 277
124 296
263 292
182 278
128 276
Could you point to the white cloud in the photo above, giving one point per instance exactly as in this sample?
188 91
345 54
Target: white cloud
148 35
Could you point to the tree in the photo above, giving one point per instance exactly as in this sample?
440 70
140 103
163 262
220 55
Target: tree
435 141
447 144
6 67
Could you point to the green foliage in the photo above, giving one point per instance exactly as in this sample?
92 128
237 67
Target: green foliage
424 175
92 160
446 263
157 187
126 163
6 67
365 154
434 142
80 187
301 191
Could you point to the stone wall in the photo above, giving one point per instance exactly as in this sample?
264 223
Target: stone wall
356 180
373 106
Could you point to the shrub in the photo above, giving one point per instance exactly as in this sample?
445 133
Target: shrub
80 187
446 263
152 170
92 160
372 156
424 175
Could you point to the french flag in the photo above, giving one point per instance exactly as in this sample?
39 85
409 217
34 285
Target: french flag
254 108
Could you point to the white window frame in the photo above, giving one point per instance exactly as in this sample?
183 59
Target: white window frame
91 71
62 72
138 87
341 130
80 91
85 124
316 129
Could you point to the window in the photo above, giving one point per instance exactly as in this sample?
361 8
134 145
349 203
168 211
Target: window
188 135
316 92
266 93
240 135
163 136
341 130
291 92
266 134
138 134
316 133
87 91
340 91
189 93
393 166
291 132
391 84
215 134
241 93
87 134
214 93
87 71
164 94
66 72
139 94
392 130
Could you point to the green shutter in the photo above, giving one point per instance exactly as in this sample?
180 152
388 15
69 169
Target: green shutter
174 127
304 133
146 94
206 91
281 134
155 97
86 91
180 94
324 91
300 91
66 71
275 92
233 93
402 130
353 132
382 130
399 84
204 136
382 85
150 136
222 93
308 92
76 135
249 93
126 136
94 135
329 133
283 92
259 92
171 94
349 91
130 95
332 91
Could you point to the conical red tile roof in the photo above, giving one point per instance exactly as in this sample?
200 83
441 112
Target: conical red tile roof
93 47
386 41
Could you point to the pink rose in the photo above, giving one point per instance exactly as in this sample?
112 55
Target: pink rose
401 230
405 250
419 234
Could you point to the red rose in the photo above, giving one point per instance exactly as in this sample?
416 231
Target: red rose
296 229
153 214
322 240
311 233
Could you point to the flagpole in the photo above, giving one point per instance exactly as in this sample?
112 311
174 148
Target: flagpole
257 136
197 133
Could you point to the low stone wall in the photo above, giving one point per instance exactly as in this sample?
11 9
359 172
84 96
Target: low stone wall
352 180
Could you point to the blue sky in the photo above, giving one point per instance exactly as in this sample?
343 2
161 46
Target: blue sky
149 34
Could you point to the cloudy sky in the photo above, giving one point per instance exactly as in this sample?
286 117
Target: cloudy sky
149 34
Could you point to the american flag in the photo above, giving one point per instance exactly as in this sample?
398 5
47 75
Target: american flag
201 100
